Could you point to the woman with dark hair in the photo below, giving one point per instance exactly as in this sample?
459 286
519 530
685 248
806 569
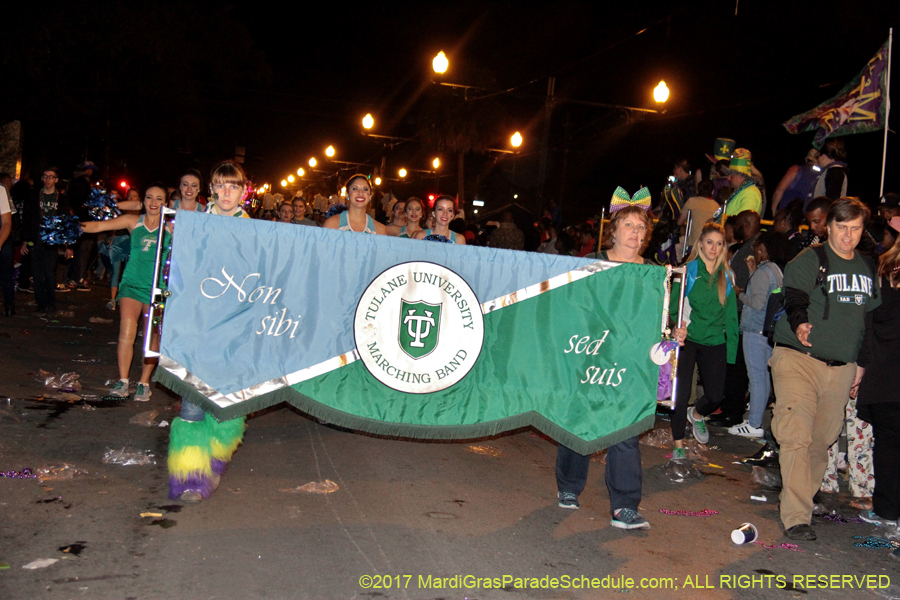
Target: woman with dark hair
878 401
769 253
444 210
356 217
626 234
415 209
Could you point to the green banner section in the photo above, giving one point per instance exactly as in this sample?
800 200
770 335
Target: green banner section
574 362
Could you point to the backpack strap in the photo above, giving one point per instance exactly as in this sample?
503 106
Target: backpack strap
822 274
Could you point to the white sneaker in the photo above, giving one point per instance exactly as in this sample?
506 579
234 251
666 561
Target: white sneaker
745 429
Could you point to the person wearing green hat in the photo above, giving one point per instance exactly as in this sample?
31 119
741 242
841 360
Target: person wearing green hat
746 195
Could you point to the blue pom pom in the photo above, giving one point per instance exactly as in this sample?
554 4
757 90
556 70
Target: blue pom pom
101 207
336 210
437 238
60 230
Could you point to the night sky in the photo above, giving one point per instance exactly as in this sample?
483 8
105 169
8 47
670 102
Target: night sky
147 89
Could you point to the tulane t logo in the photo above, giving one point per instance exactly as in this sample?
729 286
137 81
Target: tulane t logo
419 327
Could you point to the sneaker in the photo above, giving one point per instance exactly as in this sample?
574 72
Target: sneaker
27 289
60 288
190 496
120 390
801 532
80 287
869 516
679 454
142 394
893 533
625 518
567 500
701 433
745 429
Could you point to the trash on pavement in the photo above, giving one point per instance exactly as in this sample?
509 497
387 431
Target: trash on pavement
658 438
57 473
67 382
100 320
145 419
766 478
40 563
315 487
128 456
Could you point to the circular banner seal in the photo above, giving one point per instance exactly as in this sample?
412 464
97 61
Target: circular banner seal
418 328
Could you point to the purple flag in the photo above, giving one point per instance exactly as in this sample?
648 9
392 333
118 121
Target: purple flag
858 108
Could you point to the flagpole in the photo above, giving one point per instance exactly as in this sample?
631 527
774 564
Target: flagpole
887 110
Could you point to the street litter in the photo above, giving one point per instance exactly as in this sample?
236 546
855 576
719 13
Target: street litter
714 466
679 470
658 438
100 320
759 498
67 382
54 473
64 396
151 514
25 473
40 563
315 487
485 450
144 419
128 456
766 478
164 423
93 361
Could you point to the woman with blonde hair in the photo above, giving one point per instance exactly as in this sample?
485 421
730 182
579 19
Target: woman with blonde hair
708 334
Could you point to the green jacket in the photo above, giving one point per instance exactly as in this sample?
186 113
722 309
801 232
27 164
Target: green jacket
710 323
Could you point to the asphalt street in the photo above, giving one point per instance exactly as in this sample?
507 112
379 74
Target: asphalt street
473 519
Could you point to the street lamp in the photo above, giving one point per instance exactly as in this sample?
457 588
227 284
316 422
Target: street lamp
661 92
402 172
283 183
329 151
440 63
436 163
515 140
368 121
378 181
291 178
312 162
301 172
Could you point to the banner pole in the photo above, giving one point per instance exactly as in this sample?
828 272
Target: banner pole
887 111
680 271
687 235
156 293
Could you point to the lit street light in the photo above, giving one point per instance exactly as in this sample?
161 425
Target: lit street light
436 163
368 121
440 63
312 162
301 172
516 140
329 151
661 92
283 183
291 178
378 181
402 172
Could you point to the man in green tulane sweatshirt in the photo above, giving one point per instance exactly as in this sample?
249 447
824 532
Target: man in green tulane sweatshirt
814 361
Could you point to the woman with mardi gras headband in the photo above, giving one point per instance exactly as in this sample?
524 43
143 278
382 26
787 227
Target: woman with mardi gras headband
628 228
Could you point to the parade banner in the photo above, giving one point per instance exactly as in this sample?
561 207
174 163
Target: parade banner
858 108
409 338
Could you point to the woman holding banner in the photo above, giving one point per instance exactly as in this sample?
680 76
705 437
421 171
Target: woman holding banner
355 218
444 210
623 238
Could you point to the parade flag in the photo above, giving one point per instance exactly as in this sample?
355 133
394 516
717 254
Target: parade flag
858 108
409 338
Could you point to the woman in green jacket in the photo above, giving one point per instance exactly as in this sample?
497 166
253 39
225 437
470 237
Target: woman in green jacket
708 333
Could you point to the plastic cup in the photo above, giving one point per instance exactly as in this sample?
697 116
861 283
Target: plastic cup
745 534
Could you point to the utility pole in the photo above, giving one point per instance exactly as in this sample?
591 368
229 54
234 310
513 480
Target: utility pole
545 141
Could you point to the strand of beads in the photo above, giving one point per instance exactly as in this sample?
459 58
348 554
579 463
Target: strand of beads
706 512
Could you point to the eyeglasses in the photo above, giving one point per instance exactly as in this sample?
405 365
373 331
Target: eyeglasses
49 177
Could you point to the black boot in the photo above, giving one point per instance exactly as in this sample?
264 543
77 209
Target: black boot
766 457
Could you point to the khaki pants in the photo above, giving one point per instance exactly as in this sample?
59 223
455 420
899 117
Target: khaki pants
808 416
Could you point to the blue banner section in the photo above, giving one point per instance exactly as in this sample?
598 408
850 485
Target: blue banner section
256 300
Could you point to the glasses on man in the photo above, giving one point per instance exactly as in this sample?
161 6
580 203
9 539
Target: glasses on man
49 177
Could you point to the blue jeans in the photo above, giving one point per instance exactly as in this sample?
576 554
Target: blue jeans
757 353
623 473
191 412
